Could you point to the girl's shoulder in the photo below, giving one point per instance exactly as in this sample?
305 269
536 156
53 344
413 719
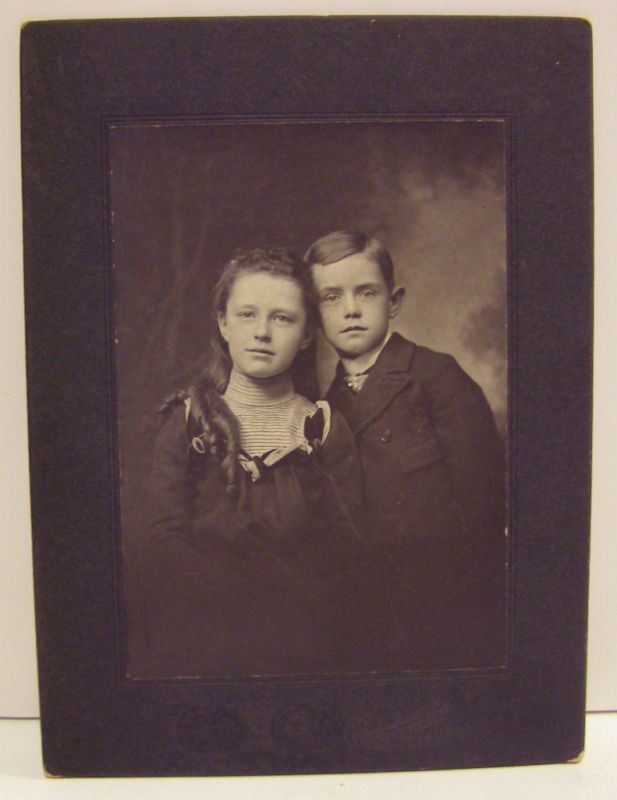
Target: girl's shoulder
200 411
336 433
171 405
323 423
317 421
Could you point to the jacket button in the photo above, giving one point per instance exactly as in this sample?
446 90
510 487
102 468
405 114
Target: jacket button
386 436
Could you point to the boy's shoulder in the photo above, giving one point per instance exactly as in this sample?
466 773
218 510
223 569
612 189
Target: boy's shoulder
402 355
406 365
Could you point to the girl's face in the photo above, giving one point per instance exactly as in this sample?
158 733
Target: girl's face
264 324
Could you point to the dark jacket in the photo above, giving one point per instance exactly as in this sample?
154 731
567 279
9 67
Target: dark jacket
434 483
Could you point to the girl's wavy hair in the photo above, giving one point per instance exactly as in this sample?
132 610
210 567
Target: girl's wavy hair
219 430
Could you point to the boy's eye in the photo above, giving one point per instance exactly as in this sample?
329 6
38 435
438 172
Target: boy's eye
367 293
246 314
329 298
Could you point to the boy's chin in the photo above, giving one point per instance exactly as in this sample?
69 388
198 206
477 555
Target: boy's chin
357 349
350 352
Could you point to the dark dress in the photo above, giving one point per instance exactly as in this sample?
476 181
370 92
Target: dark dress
269 581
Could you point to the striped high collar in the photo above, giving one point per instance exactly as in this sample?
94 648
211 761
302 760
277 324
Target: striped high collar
246 391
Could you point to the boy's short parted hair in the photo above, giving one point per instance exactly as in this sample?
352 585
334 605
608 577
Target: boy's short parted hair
341 244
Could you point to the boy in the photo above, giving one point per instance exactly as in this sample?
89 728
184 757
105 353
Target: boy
432 461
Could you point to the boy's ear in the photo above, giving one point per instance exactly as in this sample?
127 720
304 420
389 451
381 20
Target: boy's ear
396 300
309 334
222 320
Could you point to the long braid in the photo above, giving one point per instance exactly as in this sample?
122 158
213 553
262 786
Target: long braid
220 429
200 412
228 425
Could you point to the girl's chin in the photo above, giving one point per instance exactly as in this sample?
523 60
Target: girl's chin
265 375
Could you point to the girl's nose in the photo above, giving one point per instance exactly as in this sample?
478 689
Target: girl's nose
262 329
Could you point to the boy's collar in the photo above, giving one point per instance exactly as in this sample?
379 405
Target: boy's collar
361 364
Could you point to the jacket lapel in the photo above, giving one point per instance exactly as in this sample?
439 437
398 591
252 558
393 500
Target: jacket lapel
389 376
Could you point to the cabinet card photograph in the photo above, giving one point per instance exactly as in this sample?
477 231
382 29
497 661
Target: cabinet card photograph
308 315
311 365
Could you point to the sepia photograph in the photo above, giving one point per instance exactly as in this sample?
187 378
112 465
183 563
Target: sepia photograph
311 372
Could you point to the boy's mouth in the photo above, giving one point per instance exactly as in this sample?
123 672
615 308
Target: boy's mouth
353 328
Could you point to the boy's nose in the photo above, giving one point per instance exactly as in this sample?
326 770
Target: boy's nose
351 306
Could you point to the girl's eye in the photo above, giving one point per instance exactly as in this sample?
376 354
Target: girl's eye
246 314
283 318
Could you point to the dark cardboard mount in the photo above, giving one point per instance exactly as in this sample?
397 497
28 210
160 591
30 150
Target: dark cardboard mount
76 76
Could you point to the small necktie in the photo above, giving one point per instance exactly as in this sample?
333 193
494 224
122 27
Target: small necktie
356 382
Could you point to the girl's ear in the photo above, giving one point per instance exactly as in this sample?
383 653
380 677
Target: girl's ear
396 300
222 320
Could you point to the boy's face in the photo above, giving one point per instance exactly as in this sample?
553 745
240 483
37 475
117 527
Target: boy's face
355 304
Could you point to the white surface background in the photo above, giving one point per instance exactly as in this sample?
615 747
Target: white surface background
595 778
18 694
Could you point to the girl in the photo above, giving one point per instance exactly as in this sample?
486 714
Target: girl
254 552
